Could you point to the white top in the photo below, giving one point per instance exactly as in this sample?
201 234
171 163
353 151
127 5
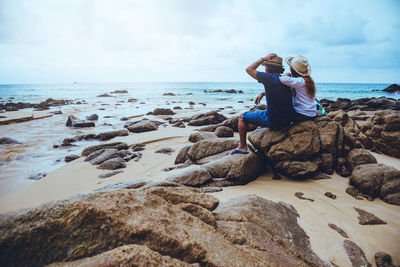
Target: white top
302 103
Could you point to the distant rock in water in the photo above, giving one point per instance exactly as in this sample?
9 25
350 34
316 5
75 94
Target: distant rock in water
232 91
104 95
75 122
92 117
119 92
392 88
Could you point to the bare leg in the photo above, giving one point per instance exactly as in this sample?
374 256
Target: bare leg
242 134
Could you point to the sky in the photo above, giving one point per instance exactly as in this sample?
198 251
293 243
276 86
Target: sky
62 41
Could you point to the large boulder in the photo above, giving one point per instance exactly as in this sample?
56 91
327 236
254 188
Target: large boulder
158 224
109 135
211 117
223 131
302 142
209 147
163 111
226 170
392 88
378 180
254 222
198 136
297 169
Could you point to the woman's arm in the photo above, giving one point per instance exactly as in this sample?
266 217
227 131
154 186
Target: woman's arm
292 82
259 97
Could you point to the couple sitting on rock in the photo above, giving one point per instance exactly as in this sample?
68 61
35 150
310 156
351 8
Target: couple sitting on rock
290 97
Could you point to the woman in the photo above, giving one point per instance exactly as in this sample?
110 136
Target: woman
304 102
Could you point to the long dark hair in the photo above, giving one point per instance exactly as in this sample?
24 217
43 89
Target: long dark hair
310 85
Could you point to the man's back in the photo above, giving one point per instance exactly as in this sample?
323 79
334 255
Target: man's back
279 99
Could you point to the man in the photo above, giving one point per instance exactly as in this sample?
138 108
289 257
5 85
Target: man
279 112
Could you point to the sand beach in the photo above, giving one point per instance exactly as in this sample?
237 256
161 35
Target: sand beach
315 210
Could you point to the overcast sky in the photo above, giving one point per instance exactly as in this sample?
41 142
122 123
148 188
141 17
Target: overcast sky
56 41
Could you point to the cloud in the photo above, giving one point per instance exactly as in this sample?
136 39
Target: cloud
187 40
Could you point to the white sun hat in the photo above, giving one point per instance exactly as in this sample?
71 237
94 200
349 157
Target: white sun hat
299 64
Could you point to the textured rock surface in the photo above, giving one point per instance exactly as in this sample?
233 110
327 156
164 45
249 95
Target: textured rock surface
383 259
142 126
196 137
223 131
211 147
338 229
73 121
211 117
359 156
155 225
366 218
163 111
355 254
378 180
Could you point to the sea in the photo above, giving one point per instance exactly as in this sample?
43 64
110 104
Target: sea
36 155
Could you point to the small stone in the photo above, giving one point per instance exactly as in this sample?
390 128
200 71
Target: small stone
93 117
366 218
70 158
165 150
338 229
109 174
330 195
320 176
210 189
37 176
300 196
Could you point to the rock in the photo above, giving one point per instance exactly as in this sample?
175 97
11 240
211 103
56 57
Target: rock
92 117
196 137
165 150
223 131
366 218
210 189
112 164
142 126
303 142
330 143
109 174
239 168
300 195
183 155
8 141
378 180
330 195
163 111
320 176
119 92
263 139
210 147
126 256
383 259
70 158
192 177
359 156
90 149
104 95
177 107
338 229
137 147
109 135
132 100
297 169
354 192
73 121
342 167
168 94
37 176
355 254
392 88
327 163
211 117
103 155
257 225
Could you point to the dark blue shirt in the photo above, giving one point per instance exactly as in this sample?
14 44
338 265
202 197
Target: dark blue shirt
279 100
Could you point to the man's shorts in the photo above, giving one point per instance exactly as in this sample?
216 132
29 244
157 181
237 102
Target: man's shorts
258 117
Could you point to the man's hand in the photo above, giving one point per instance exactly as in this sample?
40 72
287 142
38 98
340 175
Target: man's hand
259 97
270 56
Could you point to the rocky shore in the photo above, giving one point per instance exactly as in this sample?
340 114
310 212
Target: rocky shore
186 212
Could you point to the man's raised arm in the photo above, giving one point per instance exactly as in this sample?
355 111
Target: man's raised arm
252 69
